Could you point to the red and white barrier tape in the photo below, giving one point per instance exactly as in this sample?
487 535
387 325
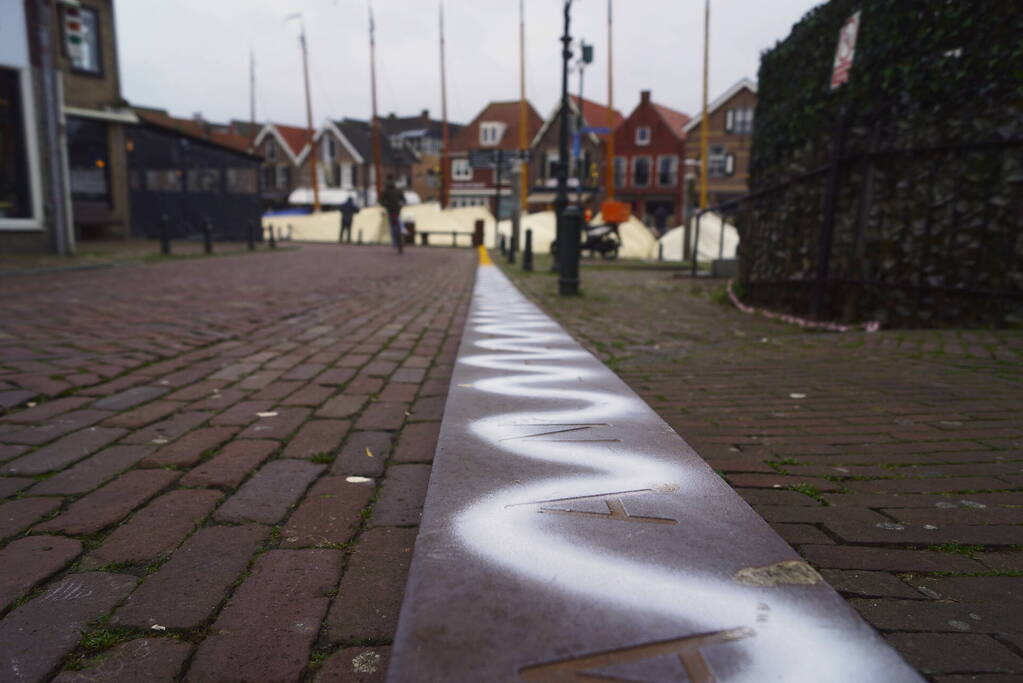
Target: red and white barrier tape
872 326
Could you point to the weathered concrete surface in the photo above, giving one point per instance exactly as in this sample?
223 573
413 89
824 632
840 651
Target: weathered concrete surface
566 518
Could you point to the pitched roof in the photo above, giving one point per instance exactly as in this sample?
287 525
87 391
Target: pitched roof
676 120
596 114
360 135
500 112
296 138
722 98
194 129
395 125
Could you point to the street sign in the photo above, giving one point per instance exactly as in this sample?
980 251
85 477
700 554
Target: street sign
596 130
490 158
846 51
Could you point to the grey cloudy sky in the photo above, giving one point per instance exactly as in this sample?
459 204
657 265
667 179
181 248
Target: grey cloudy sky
193 55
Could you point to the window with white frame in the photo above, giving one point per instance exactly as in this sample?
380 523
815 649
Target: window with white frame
717 159
739 121
329 148
641 171
491 132
460 169
283 177
643 135
620 171
347 175
667 171
271 149
87 57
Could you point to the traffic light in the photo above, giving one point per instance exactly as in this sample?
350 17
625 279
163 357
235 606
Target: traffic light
587 53
73 31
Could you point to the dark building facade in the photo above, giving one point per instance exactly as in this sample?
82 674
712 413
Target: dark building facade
190 178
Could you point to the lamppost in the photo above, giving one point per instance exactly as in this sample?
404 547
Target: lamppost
568 217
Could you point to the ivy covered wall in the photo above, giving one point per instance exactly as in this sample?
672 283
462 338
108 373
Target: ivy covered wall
929 207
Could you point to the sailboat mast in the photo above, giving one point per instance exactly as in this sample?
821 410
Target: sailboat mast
523 140
609 163
445 162
376 119
309 124
252 87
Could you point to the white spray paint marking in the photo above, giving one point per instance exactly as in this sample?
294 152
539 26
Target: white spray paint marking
534 362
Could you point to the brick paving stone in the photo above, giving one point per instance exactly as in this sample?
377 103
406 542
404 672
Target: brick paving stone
335 376
276 391
189 449
344 405
329 514
144 415
403 393
89 473
109 504
400 502
383 415
354 458
259 380
312 395
317 437
990 589
241 414
221 400
1002 561
869 583
129 398
304 371
56 427
64 451
38 634
267 630
268 495
18 514
887 559
29 561
9 451
156 529
408 375
1001 534
234 462
353 360
197 391
417 442
954 652
367 603
11 485
936 484
355 665
186 589
169 429
428 408
934 616
434 387
15 397
365 385
799 534
46 411
278 426
143 659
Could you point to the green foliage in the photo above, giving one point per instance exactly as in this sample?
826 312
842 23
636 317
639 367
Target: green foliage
935 122
809 490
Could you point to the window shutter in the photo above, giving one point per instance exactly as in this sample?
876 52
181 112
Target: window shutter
729 120
730 164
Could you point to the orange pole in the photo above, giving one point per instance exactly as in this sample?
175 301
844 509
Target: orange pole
309 125
523 119
609 163
445 160
379 184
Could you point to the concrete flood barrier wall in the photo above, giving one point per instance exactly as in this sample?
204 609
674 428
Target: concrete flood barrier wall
569 532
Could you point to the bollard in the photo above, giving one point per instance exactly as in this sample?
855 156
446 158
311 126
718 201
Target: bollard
500 245
512 247
359 238
568 253
290 228
660 251
527 251
554 256
252 235
165 247
454 238
477 233
273 242
207 236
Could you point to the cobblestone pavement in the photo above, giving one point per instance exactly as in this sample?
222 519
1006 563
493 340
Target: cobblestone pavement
893 462
215 468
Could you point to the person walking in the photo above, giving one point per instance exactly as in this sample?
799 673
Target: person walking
392 199
348 211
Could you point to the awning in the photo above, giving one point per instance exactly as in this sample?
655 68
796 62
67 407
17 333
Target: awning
113 115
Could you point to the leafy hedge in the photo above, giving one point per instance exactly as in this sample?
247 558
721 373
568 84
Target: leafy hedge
929 226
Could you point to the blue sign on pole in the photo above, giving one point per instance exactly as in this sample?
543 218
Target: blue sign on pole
596 130
575 146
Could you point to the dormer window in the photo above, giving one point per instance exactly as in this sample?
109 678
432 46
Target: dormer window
271 150
643 135
491 132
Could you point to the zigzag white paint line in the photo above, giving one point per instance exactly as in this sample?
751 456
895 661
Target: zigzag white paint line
611 516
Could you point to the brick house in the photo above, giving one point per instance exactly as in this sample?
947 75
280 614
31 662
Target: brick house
423 136
495 127
590 166
730 134
282 148
650 147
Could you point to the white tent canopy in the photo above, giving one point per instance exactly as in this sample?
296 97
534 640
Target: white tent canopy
369 224
716 236
637 239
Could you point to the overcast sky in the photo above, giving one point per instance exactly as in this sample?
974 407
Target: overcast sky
193 55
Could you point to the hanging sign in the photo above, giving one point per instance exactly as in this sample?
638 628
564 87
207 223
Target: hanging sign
845 51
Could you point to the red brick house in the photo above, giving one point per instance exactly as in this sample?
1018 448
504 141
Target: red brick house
650 152
496 127
281 148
